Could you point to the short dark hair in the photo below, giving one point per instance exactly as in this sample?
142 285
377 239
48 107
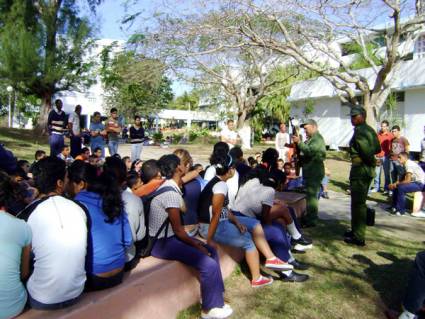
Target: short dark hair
114 110
64 146
97 149
49 171
385 122
236 153
132 179
287 164
78 106
39 153
149 170
395 127
168 164
115 166
136 117
7 190
84 149
96 113
230 121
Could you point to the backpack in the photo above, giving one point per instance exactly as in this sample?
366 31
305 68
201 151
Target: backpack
144 246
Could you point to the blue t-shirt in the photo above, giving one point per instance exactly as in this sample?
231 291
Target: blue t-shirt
107 243
97 140
15 234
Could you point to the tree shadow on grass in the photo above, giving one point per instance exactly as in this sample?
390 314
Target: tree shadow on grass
389 279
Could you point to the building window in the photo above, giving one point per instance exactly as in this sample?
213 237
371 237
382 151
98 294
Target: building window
420 46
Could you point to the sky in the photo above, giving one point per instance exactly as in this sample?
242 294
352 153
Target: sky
108 18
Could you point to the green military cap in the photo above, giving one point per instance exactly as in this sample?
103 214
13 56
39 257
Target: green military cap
308 122
356 110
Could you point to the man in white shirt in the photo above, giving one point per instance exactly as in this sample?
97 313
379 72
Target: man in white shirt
413 181
59 243
281 142
229 135
75 131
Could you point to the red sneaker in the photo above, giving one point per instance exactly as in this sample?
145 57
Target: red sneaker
276 263
261 282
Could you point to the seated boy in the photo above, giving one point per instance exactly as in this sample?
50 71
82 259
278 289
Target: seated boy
292 180
414 180
65 155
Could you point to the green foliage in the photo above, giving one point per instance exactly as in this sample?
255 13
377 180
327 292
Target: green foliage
187 101
136 84
360 62
308 108
44 47
158 137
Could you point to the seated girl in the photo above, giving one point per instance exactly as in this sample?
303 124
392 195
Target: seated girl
218 224
109 230
173 243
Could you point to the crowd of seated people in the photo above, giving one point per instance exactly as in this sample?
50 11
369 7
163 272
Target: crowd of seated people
98 217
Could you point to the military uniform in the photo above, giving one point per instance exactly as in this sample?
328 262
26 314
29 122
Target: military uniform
363 146
313 154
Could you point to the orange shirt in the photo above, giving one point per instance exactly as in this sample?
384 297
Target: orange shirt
148 188
385 140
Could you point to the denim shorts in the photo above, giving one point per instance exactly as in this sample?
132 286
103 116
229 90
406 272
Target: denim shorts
228 234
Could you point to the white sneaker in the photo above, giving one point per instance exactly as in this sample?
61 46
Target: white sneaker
300 247
217 313
419 214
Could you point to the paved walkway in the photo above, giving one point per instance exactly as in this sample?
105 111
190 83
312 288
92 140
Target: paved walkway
404 227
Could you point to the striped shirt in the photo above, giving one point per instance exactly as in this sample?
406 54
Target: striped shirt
56 122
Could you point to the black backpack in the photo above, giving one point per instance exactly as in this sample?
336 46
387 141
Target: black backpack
144 246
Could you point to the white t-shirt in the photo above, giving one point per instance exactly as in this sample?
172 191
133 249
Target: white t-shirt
229 135
59 244
252 196
281 140
133 206
221 188
74 118
232 184
417 172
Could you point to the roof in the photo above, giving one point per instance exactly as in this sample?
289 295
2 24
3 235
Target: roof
411 74
186 115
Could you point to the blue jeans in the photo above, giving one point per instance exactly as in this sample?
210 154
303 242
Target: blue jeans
228 234
385 167
399 194
113 147
211 280
415 296
396 170
54 306
136 150
56 142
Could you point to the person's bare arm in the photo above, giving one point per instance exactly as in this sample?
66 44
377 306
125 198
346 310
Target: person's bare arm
25 262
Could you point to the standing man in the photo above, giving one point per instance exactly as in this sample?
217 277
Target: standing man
313 155
383 158
229 135
75 131
113 128
281 142
422 154
363 146
56 123
98 133
137 137
399 144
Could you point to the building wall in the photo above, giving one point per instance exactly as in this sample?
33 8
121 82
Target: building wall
414 117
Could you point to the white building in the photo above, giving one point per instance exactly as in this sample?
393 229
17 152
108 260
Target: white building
332 116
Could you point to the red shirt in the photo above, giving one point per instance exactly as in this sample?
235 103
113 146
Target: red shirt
385 140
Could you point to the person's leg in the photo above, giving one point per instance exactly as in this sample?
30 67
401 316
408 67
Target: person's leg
377 180
393 171
56 144
386 168
415 296
212 287
402 190
278 241
359 190
312 191
133 152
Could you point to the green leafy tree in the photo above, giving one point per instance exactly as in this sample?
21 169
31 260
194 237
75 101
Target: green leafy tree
135 84
44 49
186 101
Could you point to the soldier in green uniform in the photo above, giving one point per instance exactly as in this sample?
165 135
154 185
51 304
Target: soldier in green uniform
363 146
313 154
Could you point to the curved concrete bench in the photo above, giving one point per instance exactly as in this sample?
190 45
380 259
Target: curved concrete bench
156 289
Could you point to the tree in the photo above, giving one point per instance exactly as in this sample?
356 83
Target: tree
191 46
186 101
135 84
316 46
44 48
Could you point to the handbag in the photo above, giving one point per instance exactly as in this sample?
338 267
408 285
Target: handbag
147 250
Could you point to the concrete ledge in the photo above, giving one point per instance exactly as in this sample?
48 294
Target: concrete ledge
156 289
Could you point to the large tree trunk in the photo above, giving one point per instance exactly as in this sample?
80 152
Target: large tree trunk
46 106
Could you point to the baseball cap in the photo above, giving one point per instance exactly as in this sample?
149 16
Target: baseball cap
308 122
356 110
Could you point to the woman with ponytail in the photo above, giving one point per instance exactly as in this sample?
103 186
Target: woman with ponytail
218 224
109 231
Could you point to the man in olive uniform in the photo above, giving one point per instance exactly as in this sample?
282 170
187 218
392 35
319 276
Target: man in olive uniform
313 154
363 146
